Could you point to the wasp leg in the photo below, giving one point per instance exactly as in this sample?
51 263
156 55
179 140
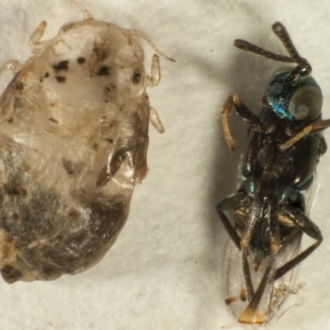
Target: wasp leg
291 241
230 203
252 313
245 242
297 217
233 202
275 242
241 297
247 273
243 111
310 129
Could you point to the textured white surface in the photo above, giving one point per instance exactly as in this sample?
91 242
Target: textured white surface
166 270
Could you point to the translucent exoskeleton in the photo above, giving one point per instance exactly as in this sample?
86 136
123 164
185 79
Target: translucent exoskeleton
73 144
278 165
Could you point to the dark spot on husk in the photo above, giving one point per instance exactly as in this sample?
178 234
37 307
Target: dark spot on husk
60 79
109 140
15 190
19 86
61 66
73 215
136 77
53 120
25 168
15 216
18 104
103 71
48 270
81 60
22 192
100 53
10 120
70 167
10 274
46 75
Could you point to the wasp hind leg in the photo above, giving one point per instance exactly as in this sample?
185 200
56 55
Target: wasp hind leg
231 203
302 222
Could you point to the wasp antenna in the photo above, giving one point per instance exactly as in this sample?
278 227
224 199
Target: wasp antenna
284 36
251 48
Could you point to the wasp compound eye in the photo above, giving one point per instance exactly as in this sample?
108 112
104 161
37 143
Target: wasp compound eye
306 103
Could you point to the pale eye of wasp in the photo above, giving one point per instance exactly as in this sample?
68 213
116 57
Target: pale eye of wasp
306 103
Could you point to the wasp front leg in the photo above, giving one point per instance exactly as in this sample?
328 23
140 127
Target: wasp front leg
243 111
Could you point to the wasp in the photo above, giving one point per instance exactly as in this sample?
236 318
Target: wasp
278 165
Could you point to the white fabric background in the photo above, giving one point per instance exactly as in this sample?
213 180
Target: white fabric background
166 270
